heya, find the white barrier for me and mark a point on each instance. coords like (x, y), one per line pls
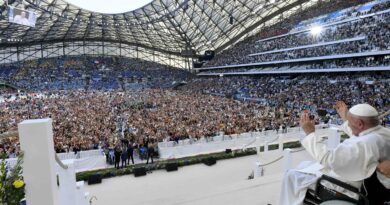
(81, 154)
(97, 161)
(184, 148)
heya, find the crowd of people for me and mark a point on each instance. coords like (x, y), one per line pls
(90, 73)
(375, 29)
(359, 62)
(91, 120)
(86, 120)
(302, 91)
(6, 90)
(124, 105)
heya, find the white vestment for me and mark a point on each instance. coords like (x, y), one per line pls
(351, 161)
(21, 20)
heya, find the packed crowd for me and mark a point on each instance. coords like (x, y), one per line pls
(86, 120)
(90, 73)
(360, 62)
(117, 104)
(302, 92)
(376, 29)
(90, 120)
(5, 90)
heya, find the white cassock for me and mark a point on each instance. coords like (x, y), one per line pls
(351, 161)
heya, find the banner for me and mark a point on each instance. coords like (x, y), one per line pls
(23, 17)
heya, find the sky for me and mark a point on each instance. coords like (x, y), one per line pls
(109, 6)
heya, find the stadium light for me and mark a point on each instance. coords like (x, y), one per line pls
(316, 30)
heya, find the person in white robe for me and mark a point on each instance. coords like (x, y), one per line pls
(352, 161)
(21, 19)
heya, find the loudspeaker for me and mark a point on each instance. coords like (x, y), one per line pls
(171, 167)
(227, 151)
(210, 161)
(140, 171)
(95, 179)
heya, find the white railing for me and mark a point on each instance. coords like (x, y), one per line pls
(220, 143)
(81, 154)
(84, 160)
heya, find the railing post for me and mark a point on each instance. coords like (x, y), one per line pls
(287, 159)
(67, 182)
(258, 170)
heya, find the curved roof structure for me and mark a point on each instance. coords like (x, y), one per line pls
(168, 26)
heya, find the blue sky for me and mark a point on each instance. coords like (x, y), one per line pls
(109, 6)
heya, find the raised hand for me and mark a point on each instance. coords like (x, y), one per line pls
(342, 109)
(306, 123)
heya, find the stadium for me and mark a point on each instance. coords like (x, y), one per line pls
(194, 102)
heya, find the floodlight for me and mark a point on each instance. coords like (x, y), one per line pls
(316, 30)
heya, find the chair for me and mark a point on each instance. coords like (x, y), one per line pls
(323, 195)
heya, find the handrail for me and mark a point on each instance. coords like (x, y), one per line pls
(246, 145)
(281, 157)
(59, 162)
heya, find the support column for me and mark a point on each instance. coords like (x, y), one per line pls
(39, 168)
(287, 159)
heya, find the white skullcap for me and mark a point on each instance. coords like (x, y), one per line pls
(363, 110)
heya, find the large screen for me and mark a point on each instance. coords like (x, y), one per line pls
(23, 17)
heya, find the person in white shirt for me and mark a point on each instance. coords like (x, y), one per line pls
(351, 161)
(21, 19)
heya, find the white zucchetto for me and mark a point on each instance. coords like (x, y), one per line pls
(364, 110)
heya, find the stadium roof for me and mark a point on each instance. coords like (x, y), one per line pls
(169, 26)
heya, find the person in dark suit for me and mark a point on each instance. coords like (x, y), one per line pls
(117, 155)
(124, 157)
(130, 152)
(151, 148)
